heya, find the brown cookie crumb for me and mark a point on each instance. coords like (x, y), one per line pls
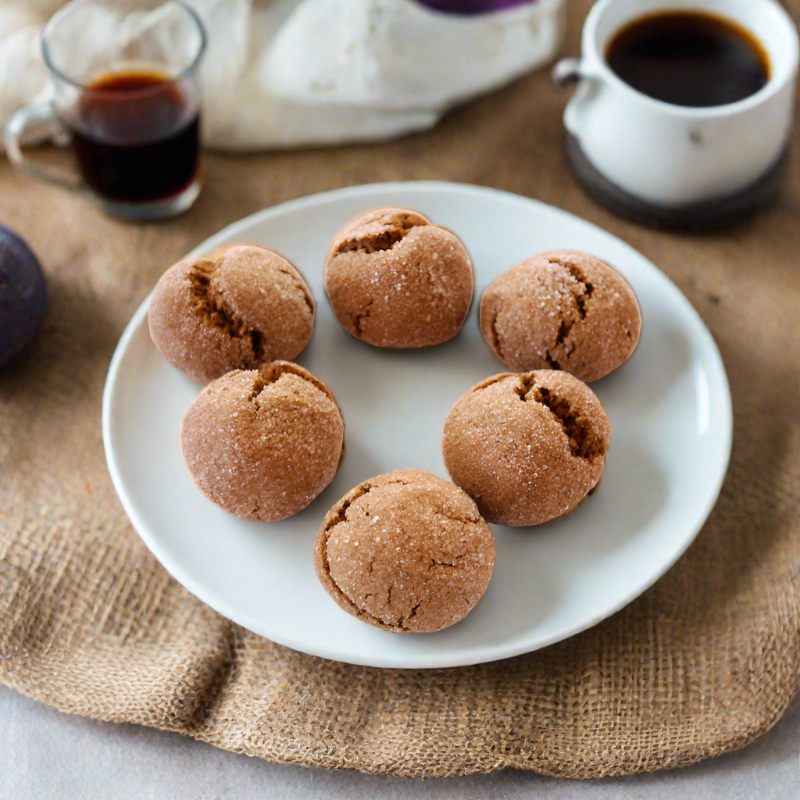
(247, 307)
(262, 444)
(396, 280)
(561, 310)
(405, 551)
(527, 448)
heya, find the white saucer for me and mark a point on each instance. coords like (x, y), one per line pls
(669, 406)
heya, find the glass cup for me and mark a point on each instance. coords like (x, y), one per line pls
(126, 98)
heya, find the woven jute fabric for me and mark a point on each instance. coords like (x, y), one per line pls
(90, 623)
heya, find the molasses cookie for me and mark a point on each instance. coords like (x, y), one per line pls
(527, 448)
(262, 444)
(396, 280)
(561, 310)
(405, 551)
(243, 309)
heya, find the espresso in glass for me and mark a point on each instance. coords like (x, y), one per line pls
(125, 78)
(136, 137)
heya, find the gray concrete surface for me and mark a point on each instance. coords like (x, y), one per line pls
(46, 754)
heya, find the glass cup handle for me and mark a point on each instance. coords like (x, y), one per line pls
(41, 117)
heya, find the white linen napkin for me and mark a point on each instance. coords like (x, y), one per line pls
(290, 73)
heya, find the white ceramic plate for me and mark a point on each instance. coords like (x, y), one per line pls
(669, 407)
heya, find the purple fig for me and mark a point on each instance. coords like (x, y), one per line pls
(471, 6)
(23, 296)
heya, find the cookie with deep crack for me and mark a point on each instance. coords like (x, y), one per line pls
(527, 448)
(561, 310)
(405, 551)
(240, 310)
(262, 444)
(396, 280)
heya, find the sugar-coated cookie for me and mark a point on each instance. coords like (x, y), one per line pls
(245, 308)
(561, 310)
(527, 448)
(262, 444)
(396, 280)
(405, 551)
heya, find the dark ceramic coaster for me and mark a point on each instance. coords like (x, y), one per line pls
(693, 217)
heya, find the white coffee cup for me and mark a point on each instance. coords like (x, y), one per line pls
(673, 156)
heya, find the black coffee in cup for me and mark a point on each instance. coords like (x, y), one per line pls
(136, 137)
(689, 58)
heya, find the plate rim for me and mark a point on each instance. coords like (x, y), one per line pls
(470, 656)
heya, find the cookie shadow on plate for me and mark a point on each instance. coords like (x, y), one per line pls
(661, 363)
(605, 522)
(631, 494)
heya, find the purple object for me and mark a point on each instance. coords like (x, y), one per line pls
(23, 296)
(467, 7)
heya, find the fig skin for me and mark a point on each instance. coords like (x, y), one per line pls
(23, 296)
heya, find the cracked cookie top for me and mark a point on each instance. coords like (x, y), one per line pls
(262, 444)
(561, 310)
(247, 307)
(527, 448)
(396, 280)
(405, 551)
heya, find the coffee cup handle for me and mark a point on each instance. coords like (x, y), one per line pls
(38, 122)
(569, 71)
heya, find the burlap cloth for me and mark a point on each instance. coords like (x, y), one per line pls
(703, 663)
